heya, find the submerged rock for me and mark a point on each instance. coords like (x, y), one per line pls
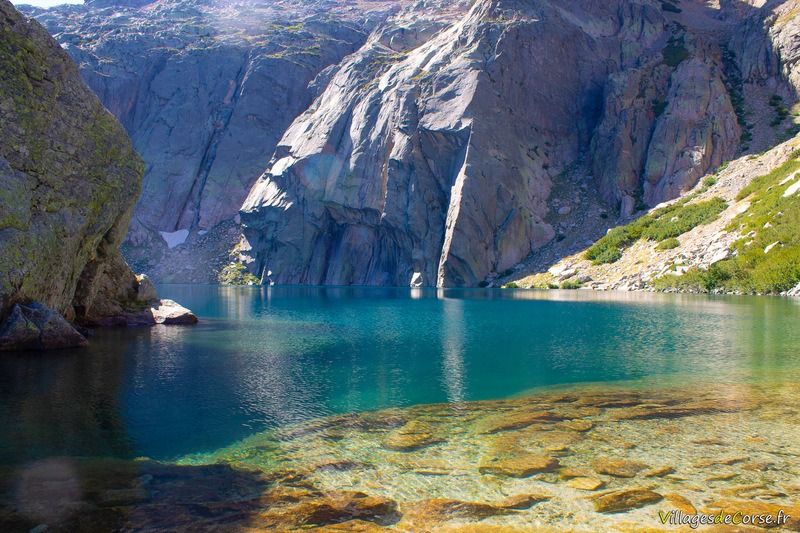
(648, 412)
(624, 500)
(586, 483)
(522, 465)
(618, 467)
(513, 420)
(571, 472)
(681, 503)
(245, 489)
(442, 510)
(37, 327)
(331, 508)
(426, 514)
(578, 425)
(523, 501)
(660, 471)
(411, 436)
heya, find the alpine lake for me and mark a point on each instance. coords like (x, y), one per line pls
(369, 409)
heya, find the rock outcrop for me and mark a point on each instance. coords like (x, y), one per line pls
(36, 327)
(70, 179)
(646, 265)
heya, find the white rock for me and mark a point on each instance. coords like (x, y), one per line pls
(416, 280)
(771, 246)
(793, 188)
(567, 274)
(171, 312)
(788, 179)
(720, 256)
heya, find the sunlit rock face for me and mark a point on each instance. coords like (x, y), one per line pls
(431, 162)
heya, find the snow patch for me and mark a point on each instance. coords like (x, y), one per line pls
(175, 238)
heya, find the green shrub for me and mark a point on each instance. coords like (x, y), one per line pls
(608, 248)
(675, 52)
(684, 219)
(237, 274)
(571, 284)
(668, 244)
(709, 182)
(510, 285)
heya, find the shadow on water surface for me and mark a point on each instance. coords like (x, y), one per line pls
(101, 494)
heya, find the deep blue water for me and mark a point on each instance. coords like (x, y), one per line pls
(264, 357)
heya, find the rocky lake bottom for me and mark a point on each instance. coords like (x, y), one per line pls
(586, 458)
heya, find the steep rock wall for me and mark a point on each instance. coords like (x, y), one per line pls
(70, 176)
(205, 91)
(435, 164)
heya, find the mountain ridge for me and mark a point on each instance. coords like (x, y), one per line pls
(508, 131)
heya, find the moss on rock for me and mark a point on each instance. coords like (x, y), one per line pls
(69, 176)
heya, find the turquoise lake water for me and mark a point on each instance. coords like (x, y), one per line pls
(267, 357)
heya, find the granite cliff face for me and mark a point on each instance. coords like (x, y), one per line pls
(428, 143)
(434, 164)
(69, 179)
(205, 89)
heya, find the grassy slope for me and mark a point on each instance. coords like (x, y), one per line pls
(767, 257)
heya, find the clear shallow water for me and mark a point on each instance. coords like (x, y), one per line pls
(268, 357)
